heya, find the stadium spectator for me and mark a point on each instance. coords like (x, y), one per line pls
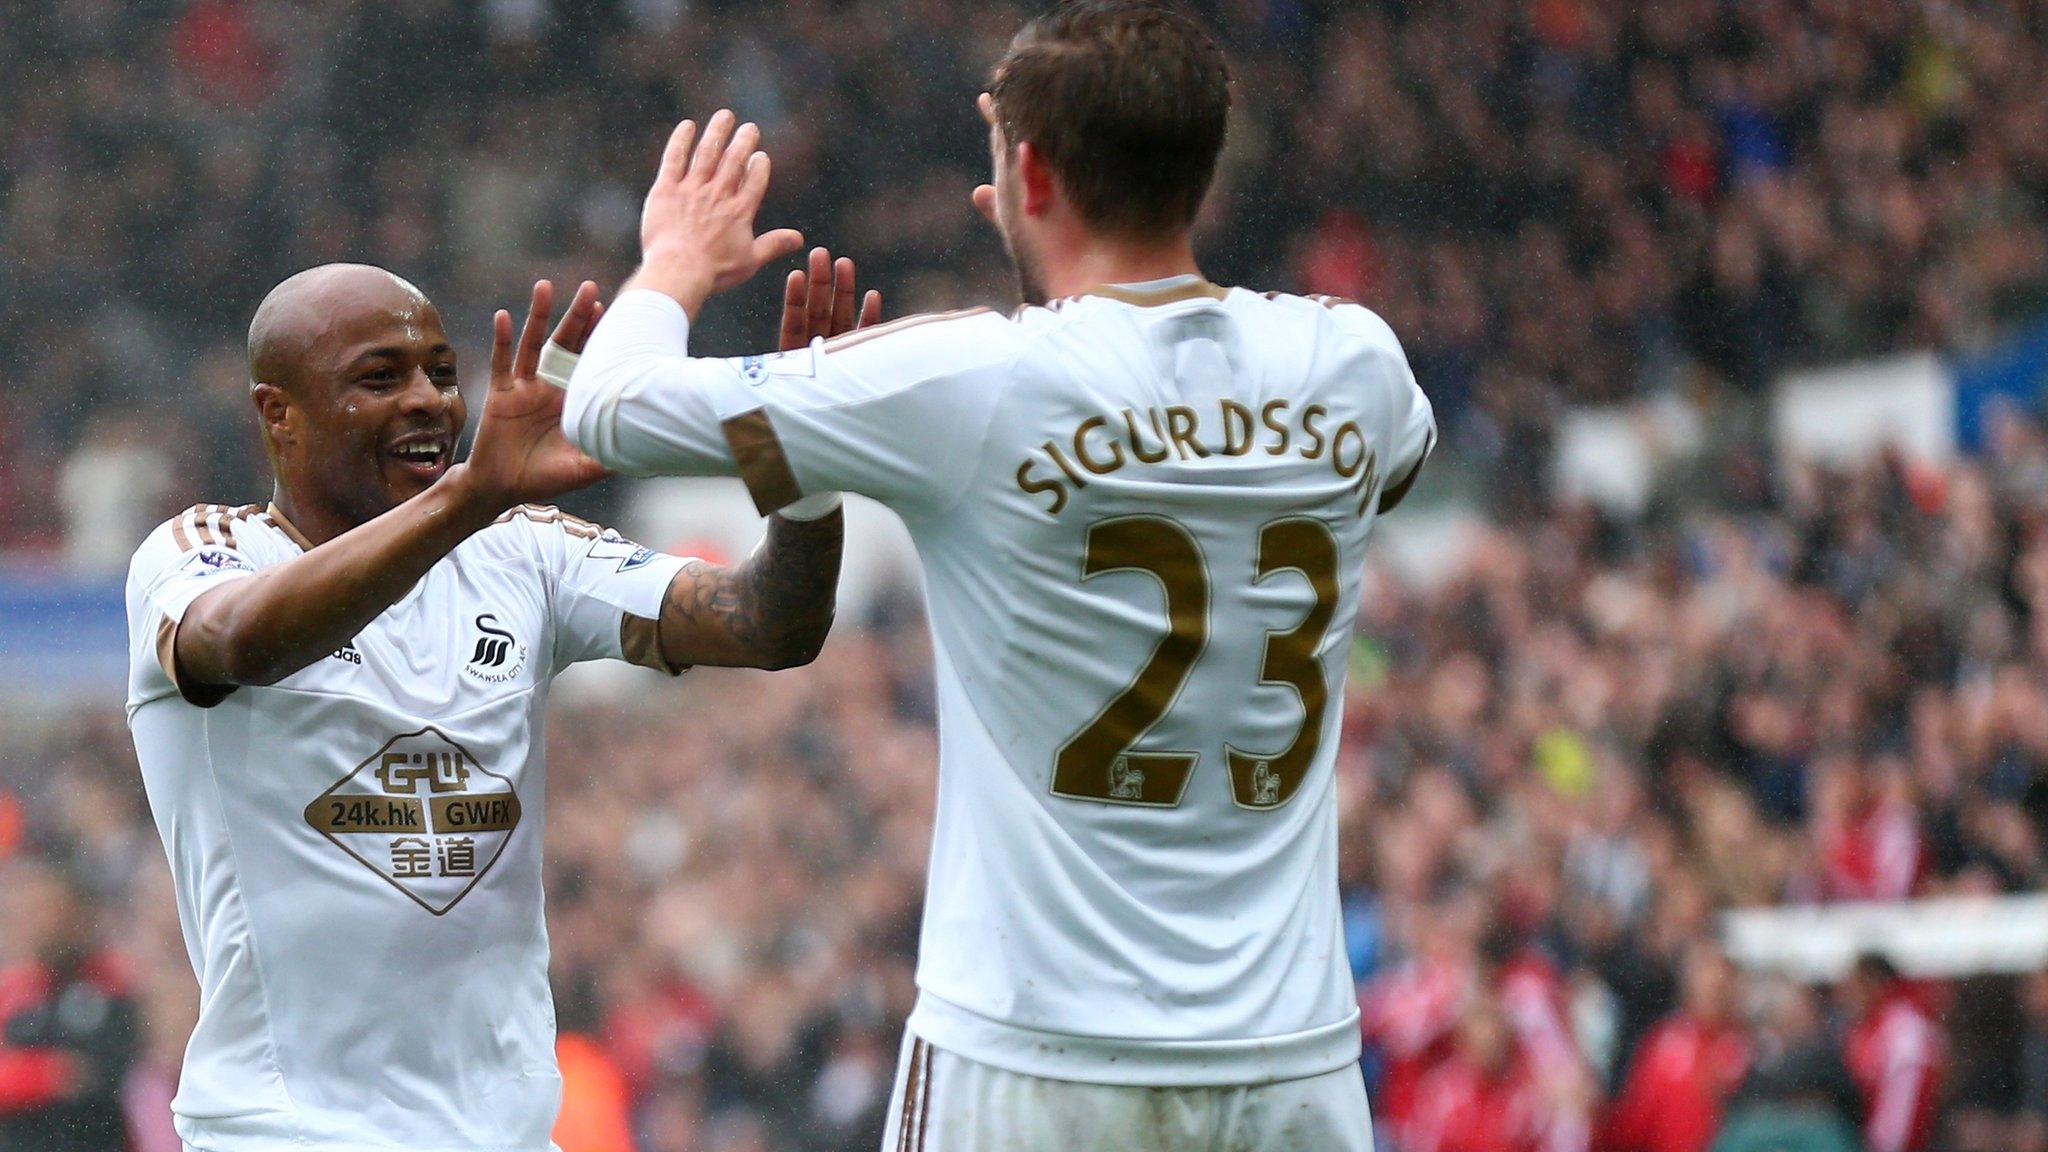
(68, 1026)
(1482, 1096)
(1685, 1068)
(1894, 1049)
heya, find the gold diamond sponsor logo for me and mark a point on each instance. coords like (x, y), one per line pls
(423, 814)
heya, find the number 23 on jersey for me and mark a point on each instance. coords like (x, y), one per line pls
(1099, 763)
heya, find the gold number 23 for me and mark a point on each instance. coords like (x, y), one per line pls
(1098, 763)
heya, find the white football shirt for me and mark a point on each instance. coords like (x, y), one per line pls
(357, 848)
(1142, 516)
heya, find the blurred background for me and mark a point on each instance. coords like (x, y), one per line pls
(1695, 771)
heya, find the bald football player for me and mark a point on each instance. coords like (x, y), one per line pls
(337, 701)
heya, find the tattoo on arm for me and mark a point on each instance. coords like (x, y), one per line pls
(772, 611)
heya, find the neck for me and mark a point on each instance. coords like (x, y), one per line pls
(1100, 260)
(315, 520)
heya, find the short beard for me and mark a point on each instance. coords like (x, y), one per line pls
(1030, 281)
(1030, 284)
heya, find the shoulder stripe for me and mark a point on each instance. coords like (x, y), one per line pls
(197, 525)
(549, 514)
(1320, 298)
(863, 335)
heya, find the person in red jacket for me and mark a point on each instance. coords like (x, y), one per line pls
(1410, 1013)
(68, 1027)
(1895, 1052)
(1684, 1070)
(1481, 1097)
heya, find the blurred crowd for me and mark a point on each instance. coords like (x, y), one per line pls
(1552, 201)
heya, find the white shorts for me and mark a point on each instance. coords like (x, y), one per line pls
(945, 1102)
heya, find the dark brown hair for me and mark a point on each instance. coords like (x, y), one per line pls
(1126, 100)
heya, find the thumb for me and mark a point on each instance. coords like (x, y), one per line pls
(775, 245)
(985, 202)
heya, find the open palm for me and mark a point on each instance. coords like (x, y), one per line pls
(520, 452)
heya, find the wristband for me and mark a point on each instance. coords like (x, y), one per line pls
(557, 364)
(811, 507)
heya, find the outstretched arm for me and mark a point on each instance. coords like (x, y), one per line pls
(260, 629)
(775, 609)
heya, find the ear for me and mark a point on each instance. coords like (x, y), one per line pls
(1040, 186)
(275, 412)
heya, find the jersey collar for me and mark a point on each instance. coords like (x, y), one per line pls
(1152, 293)
(290, 529)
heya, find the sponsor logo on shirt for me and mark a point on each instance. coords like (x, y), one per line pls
(423, 814)
(348, 653)
(499, 656)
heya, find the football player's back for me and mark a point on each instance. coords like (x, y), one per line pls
(1142, 599)
(1140, 511)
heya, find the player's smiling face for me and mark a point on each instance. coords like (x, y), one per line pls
(382, 411)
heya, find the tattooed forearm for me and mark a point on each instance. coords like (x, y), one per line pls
(773, 611)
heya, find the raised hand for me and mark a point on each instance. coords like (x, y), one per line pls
(697, 226)
(819, 301)
(584, 312)
(520, 453)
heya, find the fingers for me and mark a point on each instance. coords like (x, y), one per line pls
(739, 156)
(843, 296)
(754, 185)
(581, 317)
(526, 358)
(794, 300)
(711, 148)
(774, 246)
(870, 309)
(501, 349)
(675, 159)
(819, 303)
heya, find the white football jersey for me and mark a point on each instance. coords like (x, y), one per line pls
(1142, 516)
(356, 848)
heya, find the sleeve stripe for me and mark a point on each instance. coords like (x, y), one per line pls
(1395, 492)
(200, 695)
(863, 335)
(178, 532)
(758, 453)
(640, 643)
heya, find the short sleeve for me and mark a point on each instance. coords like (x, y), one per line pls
(1410, 420)
(896, 412)
(607, 590)
(184, 558)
